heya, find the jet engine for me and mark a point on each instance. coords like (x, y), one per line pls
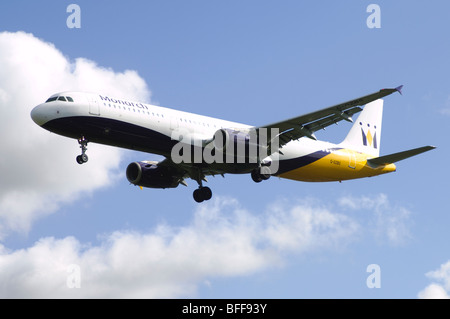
(242, 146)
(150, 174)
(226, 138)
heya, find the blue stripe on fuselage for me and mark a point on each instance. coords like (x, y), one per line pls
(112, 132)
(294, 163)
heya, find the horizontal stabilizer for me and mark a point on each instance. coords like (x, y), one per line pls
(392, 158)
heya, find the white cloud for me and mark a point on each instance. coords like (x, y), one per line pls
(307, 225)
(433, 291)
(389, 222)
(438, 290)
(223, 240)
(38, 168)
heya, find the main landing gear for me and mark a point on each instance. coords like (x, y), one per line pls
(260, 174)
(202, 193)
(83, 158)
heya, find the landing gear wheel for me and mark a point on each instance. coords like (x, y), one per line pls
(264, 172)
(82, 159)
(256, 177)
(198, 196)
(260, 174)
(206, 193)
(201, 194)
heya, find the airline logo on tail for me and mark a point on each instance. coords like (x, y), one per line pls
(367, 138)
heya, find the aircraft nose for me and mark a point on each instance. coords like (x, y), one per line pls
(38, 115)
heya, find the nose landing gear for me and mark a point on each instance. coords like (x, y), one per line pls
(83, 158)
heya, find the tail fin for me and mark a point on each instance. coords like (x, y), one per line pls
(365, 134)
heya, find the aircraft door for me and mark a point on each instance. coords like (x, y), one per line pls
(94, 107)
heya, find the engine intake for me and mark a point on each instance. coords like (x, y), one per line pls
(152, 175)
(226, 138)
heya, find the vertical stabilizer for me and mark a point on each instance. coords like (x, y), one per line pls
(365, 134)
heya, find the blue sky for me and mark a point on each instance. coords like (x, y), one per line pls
(252, 62)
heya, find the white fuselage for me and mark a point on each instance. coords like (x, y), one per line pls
(155, 129)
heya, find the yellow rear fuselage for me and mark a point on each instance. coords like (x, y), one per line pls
(329, 163)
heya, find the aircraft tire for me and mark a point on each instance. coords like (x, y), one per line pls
(83, 158)
(264, 173)
(206, 193)
(256, 177)
(198, 196)
(201, 194)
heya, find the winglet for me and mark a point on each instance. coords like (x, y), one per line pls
(399, 89)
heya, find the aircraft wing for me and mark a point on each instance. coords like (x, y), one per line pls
(306, 125)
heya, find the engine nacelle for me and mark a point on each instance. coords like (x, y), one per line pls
(226, 138)
(149, 174)
(238, 144)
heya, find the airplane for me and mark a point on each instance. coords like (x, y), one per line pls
(196, 146)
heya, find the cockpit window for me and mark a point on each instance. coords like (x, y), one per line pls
(51, 99)
(59, 98)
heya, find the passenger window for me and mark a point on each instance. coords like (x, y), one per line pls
(62, 98)
(69, 99)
